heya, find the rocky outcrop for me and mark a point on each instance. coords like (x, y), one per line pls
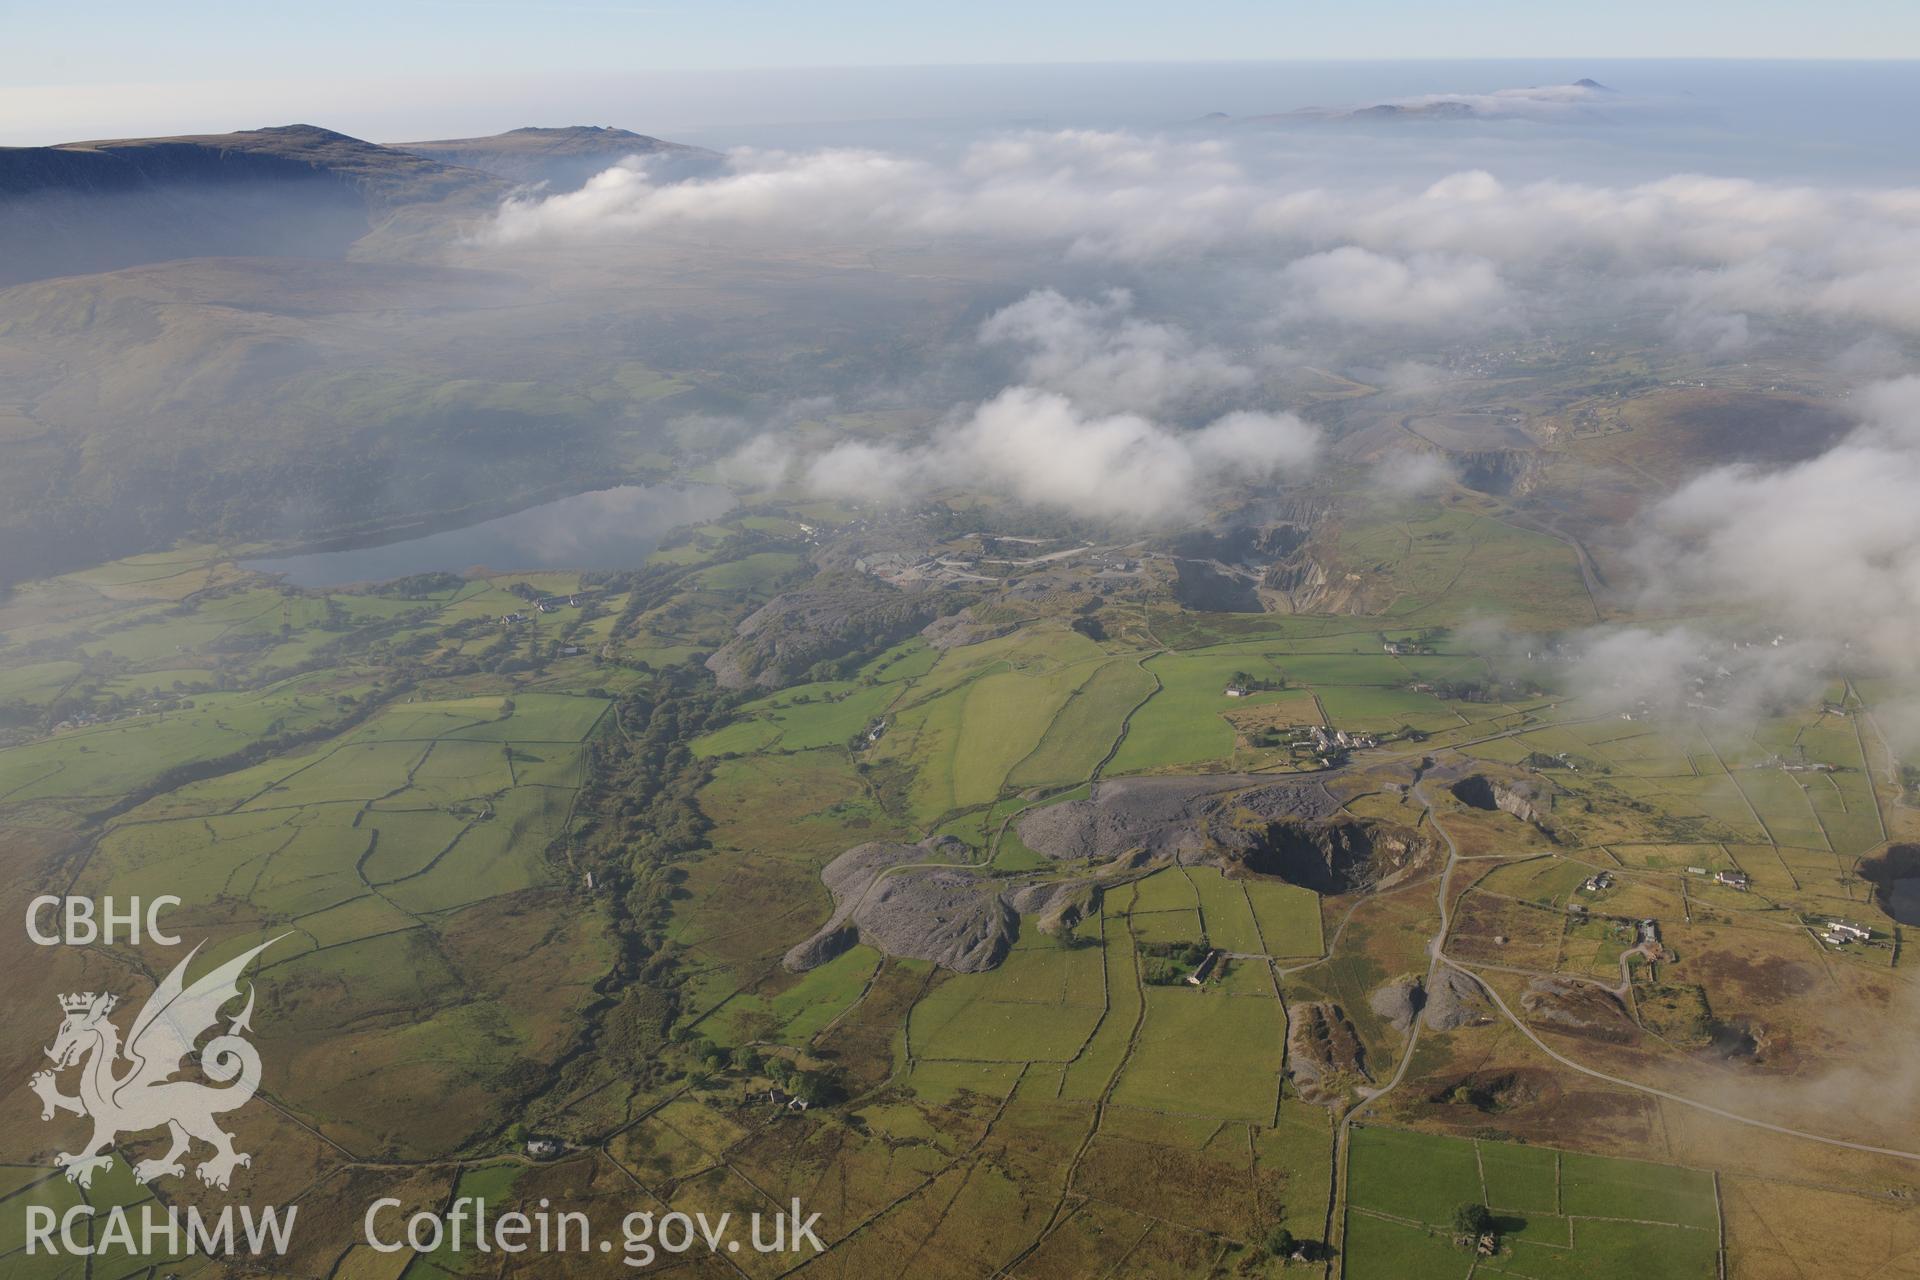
(965, 627)
(948, 915)
(1168, 817)
(1056, 907)
(830, 618)
(1157, 815)
(1244, 824)
(1455, 1000)
(952, 915)
(1398, 1003)
(1521, 799)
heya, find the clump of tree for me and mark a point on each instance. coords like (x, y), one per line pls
(1164, 964)
(1471, 1223)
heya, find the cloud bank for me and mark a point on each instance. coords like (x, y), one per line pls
(1829, 547)
(1041, 448)
(1098, 353)
(1364, 252)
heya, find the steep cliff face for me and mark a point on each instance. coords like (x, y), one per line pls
(1299, 584)
(1515, 472)
(1273, 565)
(1521, 799)
(1333, 856)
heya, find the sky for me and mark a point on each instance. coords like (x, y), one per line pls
(402, 66)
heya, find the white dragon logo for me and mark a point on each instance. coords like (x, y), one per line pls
(145, 1095)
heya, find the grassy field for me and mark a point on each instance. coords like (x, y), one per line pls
(1040, 1005)
(417, 819)
(1181, 724)
(1556, 1213)
(1206, 1053)
(1085, 728)
(1288, 917)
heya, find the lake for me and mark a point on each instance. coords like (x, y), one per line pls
(607, 529)
(1902, 900)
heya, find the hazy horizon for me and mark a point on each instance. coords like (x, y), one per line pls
(1070, 669)
(1736, 117)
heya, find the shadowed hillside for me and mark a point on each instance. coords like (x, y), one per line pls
(293, 191)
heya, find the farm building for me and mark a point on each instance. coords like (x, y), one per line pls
(1205, 967)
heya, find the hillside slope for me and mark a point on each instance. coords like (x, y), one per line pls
(296, 190)
(562, 158)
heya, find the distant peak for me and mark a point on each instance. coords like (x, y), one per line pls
(302, 131)
(570, 131)
(1584, 83)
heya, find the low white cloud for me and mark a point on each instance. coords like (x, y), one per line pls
(1357, 286)
(1720, 251)
(1411, 474)
(1411, 377)
(1040, 448)
(1685, 671)
(1100, 354)
(762, 463)
(841, 190)
(1714, 333)
(1828, 549)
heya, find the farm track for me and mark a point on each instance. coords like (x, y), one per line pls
(1440, 958)
(1436, 947)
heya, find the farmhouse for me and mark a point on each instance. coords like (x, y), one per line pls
(1598, 881)
(1841, 932)
(1734, 880)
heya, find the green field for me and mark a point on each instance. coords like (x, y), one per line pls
(1556, 1213)
(1181, 724)
(1208, 1053)
(545, 874)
